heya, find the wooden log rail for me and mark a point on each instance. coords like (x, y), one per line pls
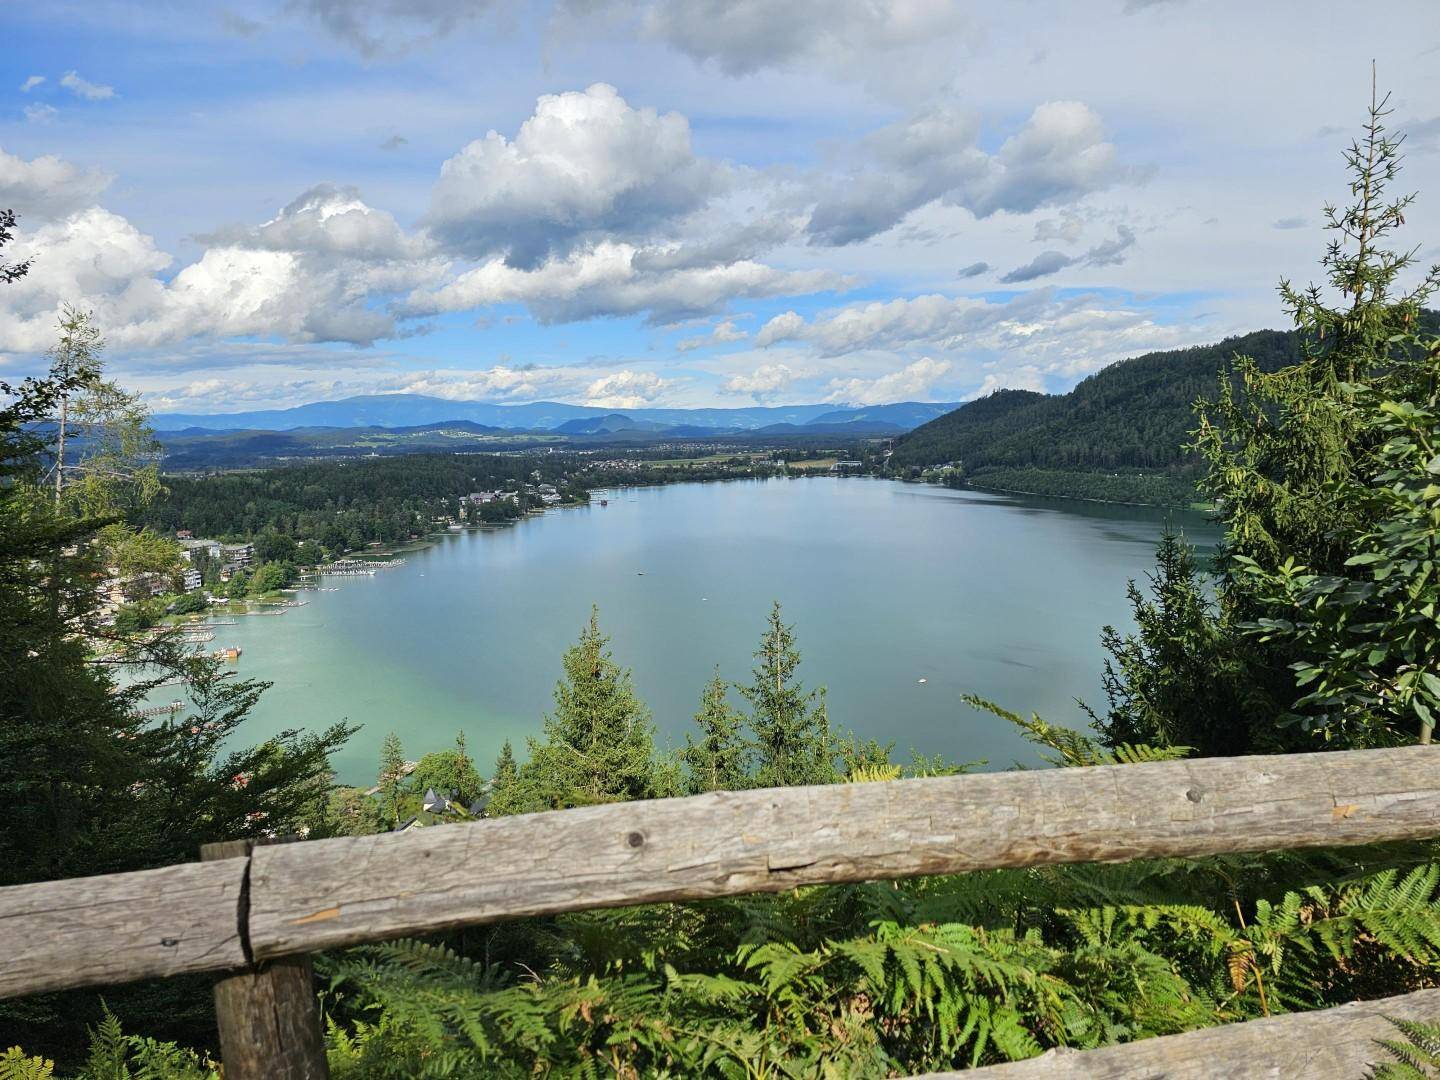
(291, 899)
(1328, 1044)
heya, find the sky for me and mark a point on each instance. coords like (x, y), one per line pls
(679, 202)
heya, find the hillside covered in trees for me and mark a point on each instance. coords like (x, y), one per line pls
(1133, 417)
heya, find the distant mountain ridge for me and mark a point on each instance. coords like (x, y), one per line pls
(412, 410)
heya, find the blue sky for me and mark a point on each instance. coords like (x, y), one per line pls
(678, 202)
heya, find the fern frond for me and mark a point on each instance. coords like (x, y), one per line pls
(15, 1064)
(1417, 1058)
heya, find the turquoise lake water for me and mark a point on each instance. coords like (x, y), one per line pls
(887, 584)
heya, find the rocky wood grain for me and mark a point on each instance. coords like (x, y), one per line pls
(102, 930)
(1333, 1044)
(306, 897)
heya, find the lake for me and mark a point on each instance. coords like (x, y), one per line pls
(903, 597)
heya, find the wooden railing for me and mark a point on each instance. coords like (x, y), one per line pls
(255, 911)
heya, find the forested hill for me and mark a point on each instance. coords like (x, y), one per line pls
(1135, 414)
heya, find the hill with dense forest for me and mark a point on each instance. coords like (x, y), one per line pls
(1132, 418)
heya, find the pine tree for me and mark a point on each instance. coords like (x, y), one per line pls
(598, 744)
(790, 729)
(717, 762)
(392, 771)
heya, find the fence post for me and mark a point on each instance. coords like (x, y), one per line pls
(268, 1015)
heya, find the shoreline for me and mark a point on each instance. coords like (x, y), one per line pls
(1189, 508)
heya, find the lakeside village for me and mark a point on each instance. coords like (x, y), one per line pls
(196, 581)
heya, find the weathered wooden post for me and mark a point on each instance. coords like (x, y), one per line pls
(268, 1015)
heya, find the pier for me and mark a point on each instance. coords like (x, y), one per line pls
(354, 566)
(160, 710)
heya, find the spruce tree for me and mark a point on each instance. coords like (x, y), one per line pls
(1167, 682)
(504, 766)
(717, 761)
(599, 743)
(1278, 444)
(790, 729)
(392, 771)
(505, 796)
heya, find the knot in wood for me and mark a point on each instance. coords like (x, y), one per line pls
(169, 942)
(1194, 794)
(635, 839)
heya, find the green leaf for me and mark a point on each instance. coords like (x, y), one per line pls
(1367, 558)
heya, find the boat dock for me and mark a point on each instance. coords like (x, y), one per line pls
(160, 710)
(351, 567)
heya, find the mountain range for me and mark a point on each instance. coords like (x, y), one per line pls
(413, 410)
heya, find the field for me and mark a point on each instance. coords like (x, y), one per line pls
(809, 465)
(708, 459)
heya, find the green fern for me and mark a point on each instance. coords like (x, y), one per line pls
(898, 977)
(114, 1055)
(117, 1056)
(1416, 1058)
(15, 1064)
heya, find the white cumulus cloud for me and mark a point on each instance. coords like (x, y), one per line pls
(911, 382)
(763, 383)
(586, 165)
(47, 186)
(305, 276)
(626, 390)
(328, 220)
